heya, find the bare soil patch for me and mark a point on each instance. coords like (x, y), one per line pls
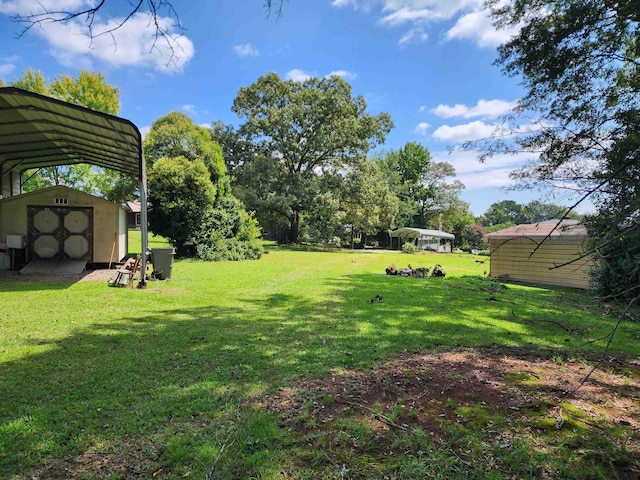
(430, 389)
(97, 275)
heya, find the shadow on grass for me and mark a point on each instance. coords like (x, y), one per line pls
(163, 391)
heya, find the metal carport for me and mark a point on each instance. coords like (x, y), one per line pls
(38, 131)
(424, 239)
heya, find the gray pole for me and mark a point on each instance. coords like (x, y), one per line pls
(143, 220)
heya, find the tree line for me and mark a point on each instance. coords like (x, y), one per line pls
(299, 168)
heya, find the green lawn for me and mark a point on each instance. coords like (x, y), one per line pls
(135, 241)
(101, 382)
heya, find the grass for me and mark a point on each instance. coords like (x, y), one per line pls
(135, 241)
(123, 383)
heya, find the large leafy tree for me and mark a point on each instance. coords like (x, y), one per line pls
(175, 135)
(304, 130)
(189, 192)
(502, 212)
(427, 190)
(182, 196)
(369, 204)
(580, 65)
(91, 90)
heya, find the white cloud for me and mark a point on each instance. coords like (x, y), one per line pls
(144, 131)
(132, 43)
(8, 65)
(344, 3)
(462, 133)
(477, 26)
(188, 108)
(494, 172)
(409, 15)
(246, 50)
(421, 128)
(298, 75)
(470, 16)
(415, 35)
(342, 73)
(482, 109)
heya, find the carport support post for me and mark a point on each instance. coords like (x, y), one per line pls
(143, 223)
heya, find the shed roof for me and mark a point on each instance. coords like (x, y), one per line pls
(541, 230)
(132, 206)
(411, 232)
(63, 190)
(38, 131)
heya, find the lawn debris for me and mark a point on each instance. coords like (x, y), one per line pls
(420, 272)
(377, 299)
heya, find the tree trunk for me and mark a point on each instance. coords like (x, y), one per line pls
(295, 226)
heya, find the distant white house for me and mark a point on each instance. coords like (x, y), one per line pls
(434, 240)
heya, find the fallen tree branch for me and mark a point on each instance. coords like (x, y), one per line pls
(379, 416)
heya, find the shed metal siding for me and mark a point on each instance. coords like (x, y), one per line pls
(515, 259)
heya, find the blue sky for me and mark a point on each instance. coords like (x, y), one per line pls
(428, 63)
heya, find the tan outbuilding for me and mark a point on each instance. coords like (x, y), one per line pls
(546, 253)
(60, 223)
(36, 132)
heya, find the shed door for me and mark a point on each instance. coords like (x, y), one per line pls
(60, 233)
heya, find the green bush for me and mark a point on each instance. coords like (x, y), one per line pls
(409, 247)
(234, 249)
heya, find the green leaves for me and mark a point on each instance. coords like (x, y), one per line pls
(190, 193)
(182, 196)
(304, 130)
(175, 135)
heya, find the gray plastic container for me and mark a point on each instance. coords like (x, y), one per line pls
(162, 260)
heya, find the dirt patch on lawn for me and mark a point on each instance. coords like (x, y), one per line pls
(430, 390)
(97, 275)
(426, 390)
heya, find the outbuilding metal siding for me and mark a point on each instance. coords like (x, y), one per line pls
(546, 253)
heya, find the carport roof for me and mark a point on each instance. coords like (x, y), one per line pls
(38, 131)
(411, 232)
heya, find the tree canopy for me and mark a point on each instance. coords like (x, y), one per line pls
(427, 190)
(189, 191)
(175, 135)
(303, 130)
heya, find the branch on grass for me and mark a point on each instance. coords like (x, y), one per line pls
(564, 327)
(377, 415)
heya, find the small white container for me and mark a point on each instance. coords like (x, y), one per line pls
(16, 241)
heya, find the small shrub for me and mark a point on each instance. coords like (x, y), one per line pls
(484, 253)
(409, 248)
(217, 249)
(336, 241)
